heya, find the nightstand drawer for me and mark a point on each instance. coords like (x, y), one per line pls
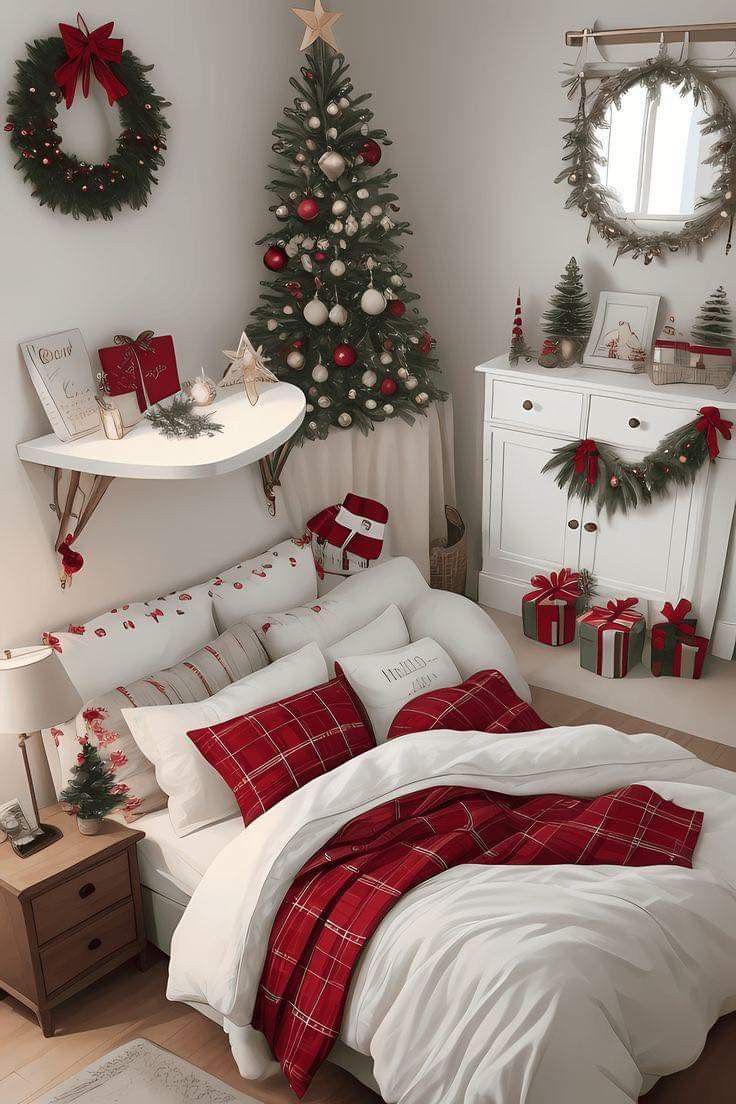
(535, 407)
(71, 955)
(632, 424)
(93, 890)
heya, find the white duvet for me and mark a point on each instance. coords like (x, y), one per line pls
(495, 985)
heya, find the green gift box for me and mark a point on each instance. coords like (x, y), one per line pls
(611, 638)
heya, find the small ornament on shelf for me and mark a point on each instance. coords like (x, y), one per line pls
(202, 390)
(549, 612)
(248, 366)
(518, 348)
(568, 318)
(612, 638)
(676, 650)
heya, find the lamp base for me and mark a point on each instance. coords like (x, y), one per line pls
(46, 835)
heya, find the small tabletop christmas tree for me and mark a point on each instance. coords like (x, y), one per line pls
(568, 319)
(713, 326)
(519, 348)
(91, 793)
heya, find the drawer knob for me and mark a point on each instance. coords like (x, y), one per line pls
(87, 889)
(573, 524)
(590, 527)
(528, 404)
(634, 423)
(94, 944)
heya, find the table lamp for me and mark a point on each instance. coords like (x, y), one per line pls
(35, 692)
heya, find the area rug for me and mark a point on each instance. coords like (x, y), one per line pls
(142, 1073)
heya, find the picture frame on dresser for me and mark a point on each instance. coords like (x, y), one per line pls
(623, 331)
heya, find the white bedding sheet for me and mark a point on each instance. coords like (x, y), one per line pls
(174, 866)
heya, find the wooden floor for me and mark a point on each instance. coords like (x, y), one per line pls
(128, 1004)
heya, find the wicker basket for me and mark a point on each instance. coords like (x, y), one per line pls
(448, 559)
(712, 376)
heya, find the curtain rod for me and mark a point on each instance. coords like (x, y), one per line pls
(699, 32)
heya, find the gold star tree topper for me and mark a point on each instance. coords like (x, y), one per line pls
(247, 364)
(318, 23)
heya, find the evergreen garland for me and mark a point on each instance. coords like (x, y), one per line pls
(91, 792)
(62, 181)
(569, 313)
(177, 419)
(713, 326)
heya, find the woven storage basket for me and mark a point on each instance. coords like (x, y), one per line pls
(448, 559)
(716, 376)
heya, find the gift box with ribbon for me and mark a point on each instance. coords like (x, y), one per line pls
(549, 612)
(144, 364)
(347, 538)
(611, 638)
(676, 650)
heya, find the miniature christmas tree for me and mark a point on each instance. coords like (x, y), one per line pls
(713, 326)
(337, 318)
(519, 347)
(569, 316)
(91, 792)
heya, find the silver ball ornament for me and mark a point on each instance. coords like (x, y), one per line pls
(388, 409)
(386, 358)
(300, 158)
(338, 315)
(376, 211)
(352, 394)
(295, 360)
(362, 193)
(396, 280)
(370, 404)
(288, 309)
(411, 383)
(311, 144)
(315, 312)
(332, 108)
(336, 227)
(320, 373)
(337, 268)
(339, 207)
(314, 122)
(344, 419)
(421, 398)
(305, 105)
(369, 378)
(324, 401)
(309, 408)
(272, 324)
(344, 103)
(332, 132)
(282, 212)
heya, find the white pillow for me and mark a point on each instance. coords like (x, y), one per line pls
(387, 631)
(283, 577)
(197, 794)
(350, 606)
(133, 639)
(387, 681)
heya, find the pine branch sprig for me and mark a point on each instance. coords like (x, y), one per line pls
(178, 420)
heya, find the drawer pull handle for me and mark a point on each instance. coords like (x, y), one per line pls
(87, 889)
(573, 524)
(590, 527)
(94, 944)
(634, 423)
(528, 404)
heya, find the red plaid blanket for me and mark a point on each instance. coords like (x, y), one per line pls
(340, 896)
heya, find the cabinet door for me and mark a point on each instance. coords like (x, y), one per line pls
(532, 525)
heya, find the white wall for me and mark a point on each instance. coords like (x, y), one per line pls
(470, 92)
(185, 265)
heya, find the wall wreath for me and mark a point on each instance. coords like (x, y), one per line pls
(48, 75)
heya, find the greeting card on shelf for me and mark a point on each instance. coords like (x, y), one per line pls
(144, 364)
(60, 369)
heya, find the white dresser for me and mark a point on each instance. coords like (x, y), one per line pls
(676, 547)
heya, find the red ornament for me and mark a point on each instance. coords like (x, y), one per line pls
(308, 209)
(297, 344)
(426, 344)
(371, 152)
(388, 386)
(344, 356)
(396, 308)
(9, 126)
(320, 257)
(275, 258)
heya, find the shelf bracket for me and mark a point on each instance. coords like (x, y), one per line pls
(71, 524)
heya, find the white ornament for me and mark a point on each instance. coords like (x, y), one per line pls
(272, 324)
(323, 243)
(376, 211)
(344, 103)
(402, 373)
(369, 378)
(365, 129)
(324, 401)
(411, 383)
(307, 263)
(315, 312)
(292, 248)
(320, 373)
(295, 360)
(370, 404)
(362, 193)
(313, 122)
(332, 132)
(339, 207)
(305, 105)
(293, 195)
(319, 193)
(311, 144)
(336, 227)
(344, 419)
(332, 108)
(337, 268)
(288, 309)
(352, 393)
(309, 408)
(387, 223)
(421, 398)
(343, 243)
(366, 220)
(338, 315)
(312, 426)
(396, 280)
(300, 158)
(202, 390)
(372, 301)
(282, 212)
(386, 358)
(332, 164)
(308, 243)
(351, 226)
(388, 409)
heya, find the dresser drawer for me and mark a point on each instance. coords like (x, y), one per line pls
(535, 407)
(71, 955)
(93, 890)
(632, 424)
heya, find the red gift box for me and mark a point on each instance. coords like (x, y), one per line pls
(549, 611)
(676, 650)
(144, 364)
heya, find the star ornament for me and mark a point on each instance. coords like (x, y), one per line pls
(247, 364)
(318, 25)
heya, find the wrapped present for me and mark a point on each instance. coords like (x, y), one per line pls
(144, 364)
(549, 612)
(671, 347)
(676, 650)
(612, 638)
(347, 538)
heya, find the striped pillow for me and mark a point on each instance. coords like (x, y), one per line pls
(484, 703)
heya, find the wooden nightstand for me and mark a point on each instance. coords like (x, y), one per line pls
(69, 914)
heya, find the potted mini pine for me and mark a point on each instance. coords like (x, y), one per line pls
(91, 792)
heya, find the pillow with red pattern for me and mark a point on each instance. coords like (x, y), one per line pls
(270, 753)
(485, 703)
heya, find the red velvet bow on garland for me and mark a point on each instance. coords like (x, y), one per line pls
(588, 469)
(90, 51)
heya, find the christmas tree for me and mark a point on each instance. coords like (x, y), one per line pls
(569, 313)
(713, 324)
(337, 318)
(518, 347)
(91, 792)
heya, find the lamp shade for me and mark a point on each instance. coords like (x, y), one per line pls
(35, 690)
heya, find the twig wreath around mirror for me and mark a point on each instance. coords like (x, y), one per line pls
(48, 75)
(583, 157)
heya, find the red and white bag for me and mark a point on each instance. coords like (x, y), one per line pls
(347, 538)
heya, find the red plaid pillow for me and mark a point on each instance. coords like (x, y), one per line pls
(270, 753)
(485, 702)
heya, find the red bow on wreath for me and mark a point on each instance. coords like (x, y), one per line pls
(676, 615)
(711, 424)
(88, 50)
(586, 460)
